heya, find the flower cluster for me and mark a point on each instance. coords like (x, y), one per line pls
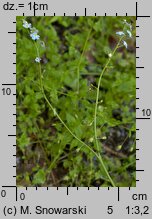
(33, 34)
(126, 33)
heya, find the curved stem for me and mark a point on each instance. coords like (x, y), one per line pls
(56, 114)
(95, 112)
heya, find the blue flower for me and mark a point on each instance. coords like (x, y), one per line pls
(26, 24)
(120, 33)
(125, 44)
(34, 36)
(38, 59)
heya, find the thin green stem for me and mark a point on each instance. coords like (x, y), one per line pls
(56, 114)
(80, 60)
(95, 112)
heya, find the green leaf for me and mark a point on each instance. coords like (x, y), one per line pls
(39, 177)
(23, 142)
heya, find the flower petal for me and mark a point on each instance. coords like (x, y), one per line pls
(120, 33)
(38, 59)
(129, 33)
(125, 44)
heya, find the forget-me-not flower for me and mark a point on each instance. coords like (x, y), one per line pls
(26, 24)
(126, 33)
(34, 36)
(38, 59)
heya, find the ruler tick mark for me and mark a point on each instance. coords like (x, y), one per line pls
(9, 84)
(142, 118)
(67, 190)
(16, 192)
(118, 194)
